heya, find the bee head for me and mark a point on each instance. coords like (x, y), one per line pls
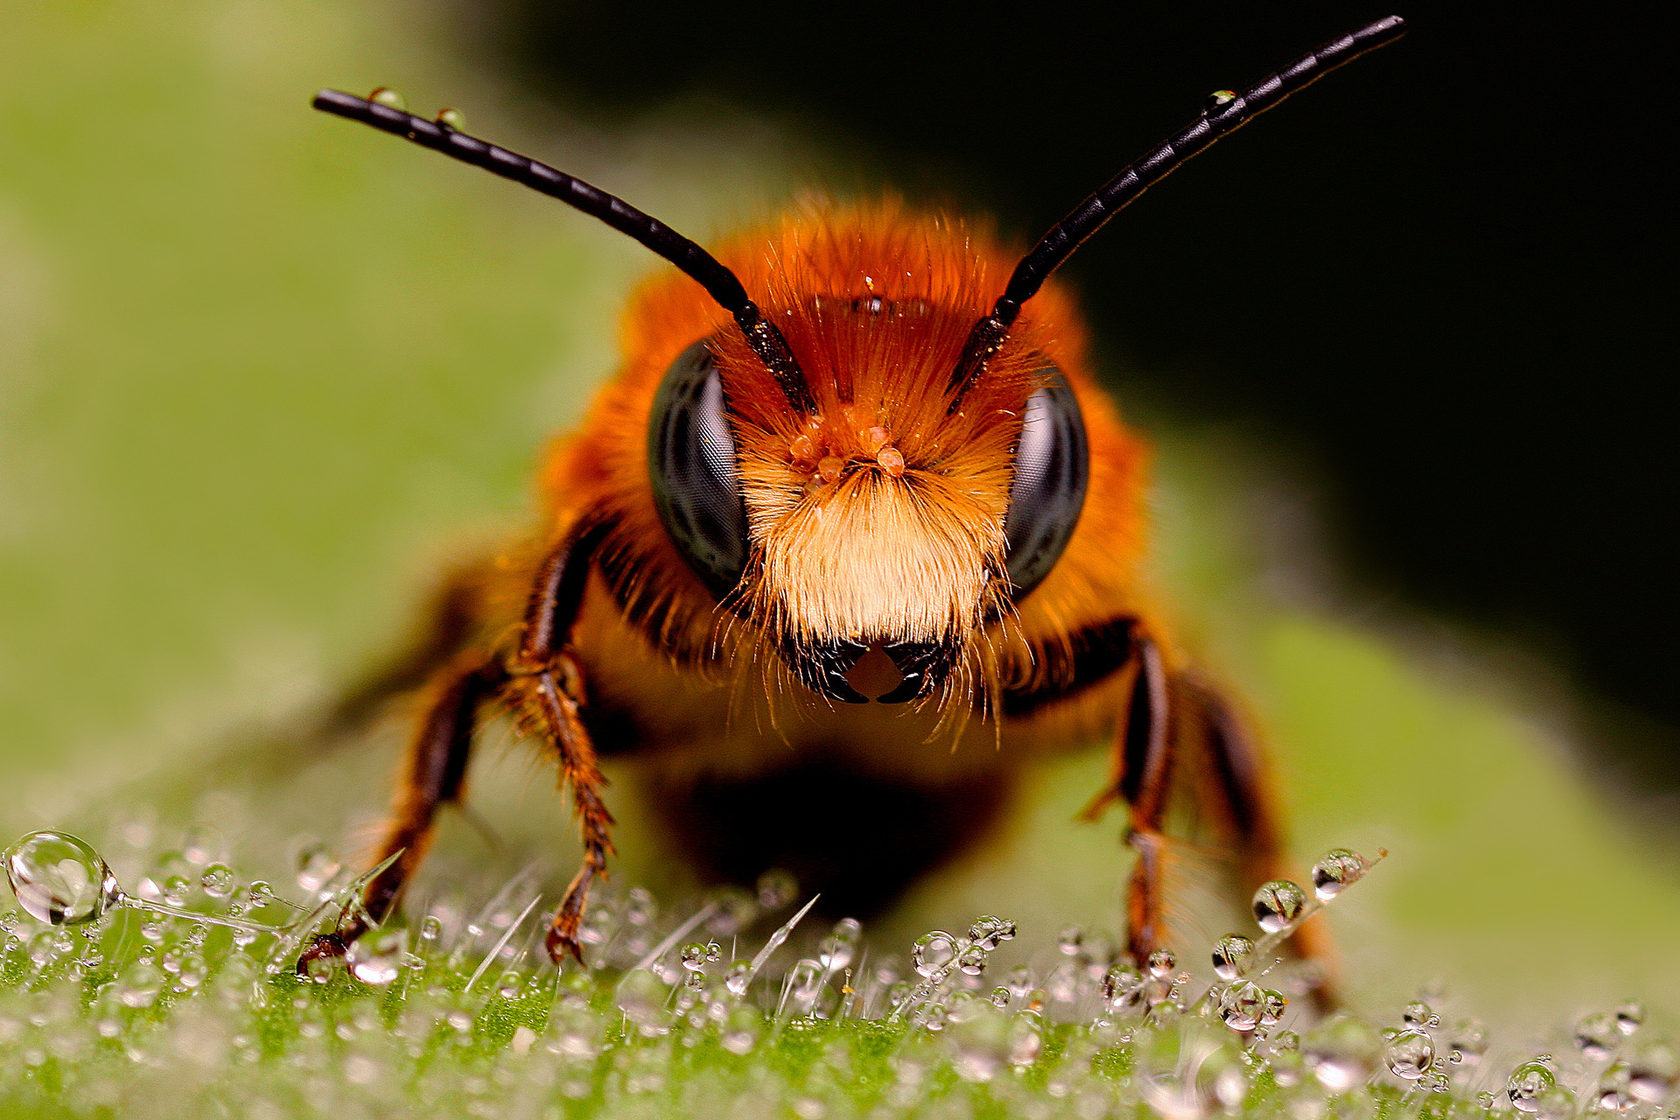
(873, 535)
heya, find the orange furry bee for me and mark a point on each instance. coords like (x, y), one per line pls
(856, 493)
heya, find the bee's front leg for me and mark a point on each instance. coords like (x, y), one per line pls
(545, 689)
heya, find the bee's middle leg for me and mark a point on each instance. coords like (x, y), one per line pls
(434, 775)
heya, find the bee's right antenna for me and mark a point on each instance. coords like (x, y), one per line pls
(1225, 113)
(723, 285)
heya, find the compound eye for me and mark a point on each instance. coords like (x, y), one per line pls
(1052, 466)
(691, 457)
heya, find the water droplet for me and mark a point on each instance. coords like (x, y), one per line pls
(1466, 1042)
(642, 999)
(989, 931)
(640, 909)
(388, 97)
(1232, 955)
(315, 867)
(741, 1031)
(1409, 1054)
(1341, 1053)
(1336, 869)
(217, 880)
(1241, 1005)
(1123, 987)
(1528, 1082)
(979, 1047)
(840, 946)
(1419, 1014)
(1217, 100)
(1070, 941)
(60, 879)
(1629, 1016)
(1000, 997)
(1274, 1005)
(140, 985)
(733, 910)
(971, 960)
(451, 119)
(1161, 964)
(1597, 1035)
(693, 956)
(377, 956)
(1278, 905)
(804, 984)
(776, 889)
(738, 977)
(1026, 1039)
(933, 952)
(1654, 1073)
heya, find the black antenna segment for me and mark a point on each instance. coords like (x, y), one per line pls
(1225, 113)
(722, 284)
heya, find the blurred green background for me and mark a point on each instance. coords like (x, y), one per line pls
(262, 372)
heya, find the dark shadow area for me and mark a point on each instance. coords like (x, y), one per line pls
(1445, 275)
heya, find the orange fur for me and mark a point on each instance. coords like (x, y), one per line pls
(833, 548)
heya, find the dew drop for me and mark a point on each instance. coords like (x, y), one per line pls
(1161, 963)
(217, 880)
(1123, 987)
(388, 97)
(933, 952)
(989, 931)
(315, 867)
(980, 1047)
(1278, 905)
(1217, 100)
(1597, 1035)
(971, 960)
(60, 879)
(1528, 1083)
(451, 119)
(776, 889)
(1341, 1053)
(738, 977)
(1335, 869)
(1241, 1006)
(640, 909)
(804, 983)
(1070, 941)
(1409, 1054)
(140, 985)
(693, 956)
(840, 946)
(1653, 1073)
(741, 1031)
(642, 999)
(1232, 955)
(1420, 1015)
(377, 957)
(1629, 1016)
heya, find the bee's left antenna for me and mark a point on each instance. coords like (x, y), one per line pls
(722, 284)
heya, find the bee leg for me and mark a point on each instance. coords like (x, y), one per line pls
(1144, 754)
(547, 689)
(435, 774)
(1240, 793)
(447, 625)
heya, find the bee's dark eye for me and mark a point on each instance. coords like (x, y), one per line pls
(1052, 464)
(691, 456)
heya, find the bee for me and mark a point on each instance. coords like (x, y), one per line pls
(852, 527)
